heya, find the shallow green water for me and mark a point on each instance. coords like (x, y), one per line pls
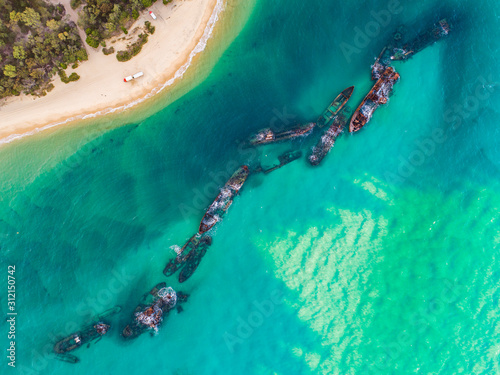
(383, 260)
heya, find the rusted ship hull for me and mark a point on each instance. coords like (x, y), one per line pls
(94, 332)
(327, 141)
(218, 208)
(193, 260)
(266, 136)
(191, 250)
(380, 64)
(193, 245)
(379, 94)
(150, 315)
(335, 107)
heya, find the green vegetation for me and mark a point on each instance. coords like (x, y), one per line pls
(133, 49)
(105, 18)
(136, 47)
(108, 51)
(149, 28)
(72, 77)
(76, 3)
(35, 41)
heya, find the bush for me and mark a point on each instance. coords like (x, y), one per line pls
(165, 2)
(146, 3)
(103, 43)
(91, 41)
(124, 30)
(63, 65)
(132, 50)
(123, 56)
(108, 51)
(135, 14)
(75, 3)
(74, 66)
(64, 78)
(149, 28)
(73, 77)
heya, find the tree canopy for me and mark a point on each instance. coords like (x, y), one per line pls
(102, 19)
(36, 41)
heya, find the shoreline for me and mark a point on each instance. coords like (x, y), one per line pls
(20, 119)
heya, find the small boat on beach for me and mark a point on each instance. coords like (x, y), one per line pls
(440, 30)
(86, 336)
(327, 140)
(149, 316)
(379, 94)
(334, 108)
(266, 136)
(196, 244)
(219, 207)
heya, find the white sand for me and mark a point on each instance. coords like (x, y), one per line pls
(179, 28)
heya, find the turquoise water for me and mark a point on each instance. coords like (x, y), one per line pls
(382, 260)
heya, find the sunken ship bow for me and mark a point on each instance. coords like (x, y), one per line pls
(379, 94)
(218, 208)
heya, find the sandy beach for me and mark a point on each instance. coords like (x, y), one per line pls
(181, 27)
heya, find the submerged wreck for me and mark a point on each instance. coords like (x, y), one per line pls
(380, 65)
(335, 107)
(219, 207)
(440, 30)
(149, 316)
(397, 51)
(193, 258)
(265, 136)
(327, 140)
(93, 333)
(284, 159)
(196, 244)
(379, 94)
(189, 257)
